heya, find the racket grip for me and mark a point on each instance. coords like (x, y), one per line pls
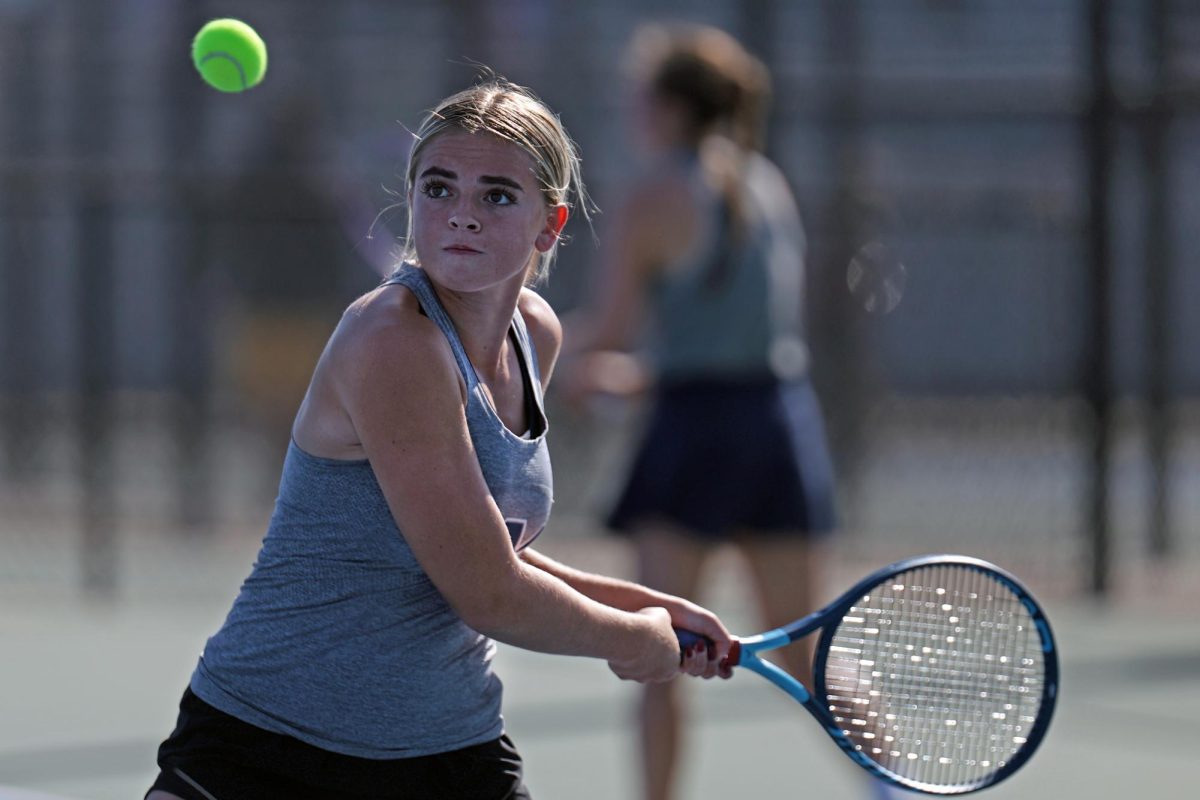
(690, 638)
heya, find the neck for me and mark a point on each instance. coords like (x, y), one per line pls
(482, 320)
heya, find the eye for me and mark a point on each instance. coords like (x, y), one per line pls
(499, 197)
(435, 190)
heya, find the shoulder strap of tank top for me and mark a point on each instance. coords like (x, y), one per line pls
(529, 355)
(531, 384)
(418, 283)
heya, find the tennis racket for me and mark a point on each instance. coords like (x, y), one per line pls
(937, 674)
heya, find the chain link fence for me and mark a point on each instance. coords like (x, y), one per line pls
(172, 259)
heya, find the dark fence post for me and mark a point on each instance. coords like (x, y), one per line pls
(1099, 149)
(19, 267)
(1158, 264)
(91, 149)
(757, 25)
(189, 361)
(97, 357)
(834, 320)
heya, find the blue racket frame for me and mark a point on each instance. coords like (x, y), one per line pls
(747, 650)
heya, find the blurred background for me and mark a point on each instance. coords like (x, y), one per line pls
(1021, 173)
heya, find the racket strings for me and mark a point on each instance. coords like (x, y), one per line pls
(937, 675)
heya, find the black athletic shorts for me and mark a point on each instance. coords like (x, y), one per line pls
(214, 756)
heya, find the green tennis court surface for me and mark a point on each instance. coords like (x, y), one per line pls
(87, 691)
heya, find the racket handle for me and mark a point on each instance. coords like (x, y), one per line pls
(689, 639)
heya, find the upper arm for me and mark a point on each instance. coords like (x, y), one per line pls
(403, 395)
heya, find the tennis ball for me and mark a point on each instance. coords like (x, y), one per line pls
(230, 56)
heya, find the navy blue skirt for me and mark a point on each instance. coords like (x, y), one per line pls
(723, 457)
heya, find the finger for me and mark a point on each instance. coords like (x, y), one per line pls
(711, 628)
(712, 652)
(695, 660)
(713, 670)
(705, 664)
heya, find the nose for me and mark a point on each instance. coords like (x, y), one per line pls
(460, 220)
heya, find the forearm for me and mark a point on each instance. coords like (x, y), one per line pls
(554, 608)
(613, 592)
(629, 596)
(541, 611)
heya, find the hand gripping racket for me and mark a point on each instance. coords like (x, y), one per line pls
(937, 674)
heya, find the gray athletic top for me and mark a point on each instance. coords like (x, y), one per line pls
(338, 638)
(730, 309)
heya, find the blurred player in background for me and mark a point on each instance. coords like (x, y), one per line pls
(709, 247)
(356, 660)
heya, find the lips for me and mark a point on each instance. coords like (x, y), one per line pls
(461, 248)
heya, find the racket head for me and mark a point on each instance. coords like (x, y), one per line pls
(938, 674)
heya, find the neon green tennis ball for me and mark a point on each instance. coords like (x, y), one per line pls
(229, 55)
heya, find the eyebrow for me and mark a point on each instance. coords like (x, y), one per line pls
(498, 180)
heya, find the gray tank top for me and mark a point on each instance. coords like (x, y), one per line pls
(338, 638)
(730, 310)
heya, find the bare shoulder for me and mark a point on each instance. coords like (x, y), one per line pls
(539, 316)
(545, 330)
(384, 314)
(384, 343)
(382, 351)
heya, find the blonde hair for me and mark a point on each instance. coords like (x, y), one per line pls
(513, 113)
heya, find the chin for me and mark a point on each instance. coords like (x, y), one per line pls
(469, 274)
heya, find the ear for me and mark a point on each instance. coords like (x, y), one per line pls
(556, 219)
